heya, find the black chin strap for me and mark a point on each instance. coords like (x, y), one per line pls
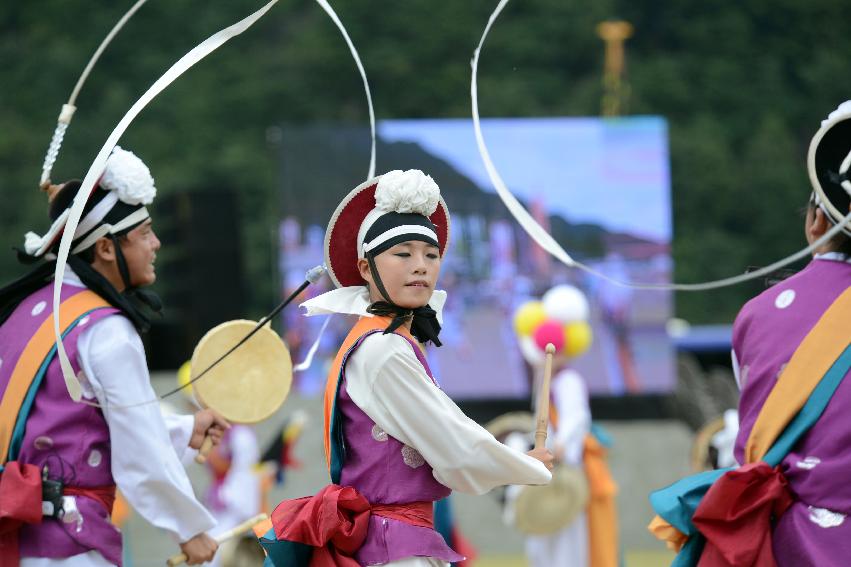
(144, 303)
(137, 305)
(122, 263)
(424, 324)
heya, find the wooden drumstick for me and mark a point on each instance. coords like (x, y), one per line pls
(223, 537)
(543, 413)
(201, 457)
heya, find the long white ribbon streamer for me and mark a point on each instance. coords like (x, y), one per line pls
(69, 107)
(733, 280)
(548, 243)
(187, 61)
(308, 360)
(535, 230)
(336, 20)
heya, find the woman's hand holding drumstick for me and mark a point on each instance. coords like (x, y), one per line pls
(542, 413)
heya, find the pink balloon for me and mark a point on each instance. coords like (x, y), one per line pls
(549, 332)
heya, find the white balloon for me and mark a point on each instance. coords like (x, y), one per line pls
(566, 304)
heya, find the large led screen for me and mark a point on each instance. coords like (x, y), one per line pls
(601, 187)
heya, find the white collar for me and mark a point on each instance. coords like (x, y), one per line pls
(353, 300)
(71, 278)
(833, 256)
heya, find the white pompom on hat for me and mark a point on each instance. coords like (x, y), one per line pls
(129, 177)
(410, 191)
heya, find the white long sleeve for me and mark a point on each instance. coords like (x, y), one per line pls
(574, 416)
(144, 463)
(385, 379)
(180, 428)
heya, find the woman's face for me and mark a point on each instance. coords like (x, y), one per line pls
(409, 272)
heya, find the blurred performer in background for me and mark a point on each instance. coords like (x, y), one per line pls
(582, 527)
(395, 443)
(279, 457)
(615, 303)
(788, 502)
(713, 443)
(63, 459)
(234, 494)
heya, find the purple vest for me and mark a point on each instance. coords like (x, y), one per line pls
(814, 531)
(387, 471)
(72, 439)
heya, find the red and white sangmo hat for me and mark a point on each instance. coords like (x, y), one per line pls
(379, 213)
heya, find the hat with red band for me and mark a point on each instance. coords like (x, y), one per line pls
(398, 206)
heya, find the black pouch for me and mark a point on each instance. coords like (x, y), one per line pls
(51, 496)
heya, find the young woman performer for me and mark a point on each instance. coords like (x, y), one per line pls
(394, 443)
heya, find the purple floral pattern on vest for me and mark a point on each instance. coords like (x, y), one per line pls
(71, 439)
(386, 471)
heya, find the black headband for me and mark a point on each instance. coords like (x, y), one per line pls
(392, 221)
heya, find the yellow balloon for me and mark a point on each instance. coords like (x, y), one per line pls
(528, 317)
(577, 338)
(184, 376)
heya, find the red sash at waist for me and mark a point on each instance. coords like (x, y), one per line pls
(335, 522)
(20, 502)
(736, 515)
(104, 495)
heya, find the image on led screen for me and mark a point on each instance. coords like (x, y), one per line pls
(601, 187)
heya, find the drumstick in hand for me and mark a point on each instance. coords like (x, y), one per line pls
(204, 450)
(242, 528)
(542, 416)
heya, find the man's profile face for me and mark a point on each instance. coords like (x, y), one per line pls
(140, 247)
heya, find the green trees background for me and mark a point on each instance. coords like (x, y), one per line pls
(743, 85)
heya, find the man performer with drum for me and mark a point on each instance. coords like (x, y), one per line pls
(786, 503)
(394, 442)
(63, 459)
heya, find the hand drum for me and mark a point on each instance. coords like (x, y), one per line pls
(251, 383)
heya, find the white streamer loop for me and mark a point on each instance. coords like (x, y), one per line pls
(187, 61)
(68, 108)
(333, 15)
(548, 243)
(181, 66)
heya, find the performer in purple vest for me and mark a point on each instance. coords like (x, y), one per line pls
(80, 451)
(395, 443)
(815, 529)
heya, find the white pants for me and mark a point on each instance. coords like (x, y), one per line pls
(88, 559)
(567, 548)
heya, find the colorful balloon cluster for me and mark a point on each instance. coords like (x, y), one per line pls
(560, 318)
